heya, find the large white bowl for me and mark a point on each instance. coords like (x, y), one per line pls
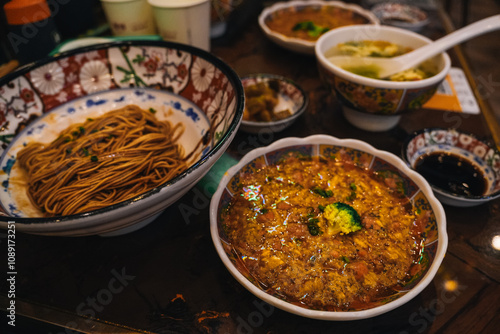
(301, 45)
(182, 83)
(373, 104)
(416, 188)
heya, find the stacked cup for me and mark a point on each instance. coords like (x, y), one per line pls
(129, 17)
(183, 21)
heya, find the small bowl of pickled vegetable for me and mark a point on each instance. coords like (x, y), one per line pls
(272, 103)
(462, 170)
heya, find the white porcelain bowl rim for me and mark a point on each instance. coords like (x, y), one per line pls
(326, 315)
(322, 45)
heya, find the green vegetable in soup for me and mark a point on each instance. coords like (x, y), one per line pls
(383, 49)
(341, 218)
(370, 71)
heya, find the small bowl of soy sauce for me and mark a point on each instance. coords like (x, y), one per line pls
(462, 170)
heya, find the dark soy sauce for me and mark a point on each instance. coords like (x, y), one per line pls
(451, 173)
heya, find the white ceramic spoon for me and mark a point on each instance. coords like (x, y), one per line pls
(386, 67)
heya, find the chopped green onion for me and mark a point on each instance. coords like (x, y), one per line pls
(312, 225)
(312, 29)
(323, 192)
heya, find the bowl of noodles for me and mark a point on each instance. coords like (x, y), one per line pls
(102, 139)
(328, 228)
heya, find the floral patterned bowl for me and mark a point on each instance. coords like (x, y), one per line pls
(443, 143)
(290, 97)
(386, 165)
(180, 82)
(372, 104)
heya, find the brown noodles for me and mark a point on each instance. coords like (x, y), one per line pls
(103, 161)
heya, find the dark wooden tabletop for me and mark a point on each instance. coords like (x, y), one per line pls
(168, 278)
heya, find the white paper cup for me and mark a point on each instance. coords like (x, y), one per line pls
(129, 17)
(183, 21)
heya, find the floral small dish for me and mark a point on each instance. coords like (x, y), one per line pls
(289, 97)
(476, 179)
(387, 165)
(401, 15)
(290, 9)
(174, 81)
(375, 104)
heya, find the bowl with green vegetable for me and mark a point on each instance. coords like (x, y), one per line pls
(297, 25)
(320, 227)
(370, 102)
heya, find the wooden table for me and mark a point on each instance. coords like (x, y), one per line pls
(168, 278)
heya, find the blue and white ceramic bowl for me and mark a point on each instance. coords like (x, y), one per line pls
(483, 156)
(182, 83)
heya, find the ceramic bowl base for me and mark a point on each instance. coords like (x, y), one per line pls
(368, 122)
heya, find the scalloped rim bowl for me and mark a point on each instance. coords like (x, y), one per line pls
(208, 95)
(297, 44)
(438, 239)
(291, 95)
(479, 153)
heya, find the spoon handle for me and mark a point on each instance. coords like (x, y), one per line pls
(480, 27)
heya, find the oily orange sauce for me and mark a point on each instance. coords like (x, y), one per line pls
(267, 226)
(327, 17)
